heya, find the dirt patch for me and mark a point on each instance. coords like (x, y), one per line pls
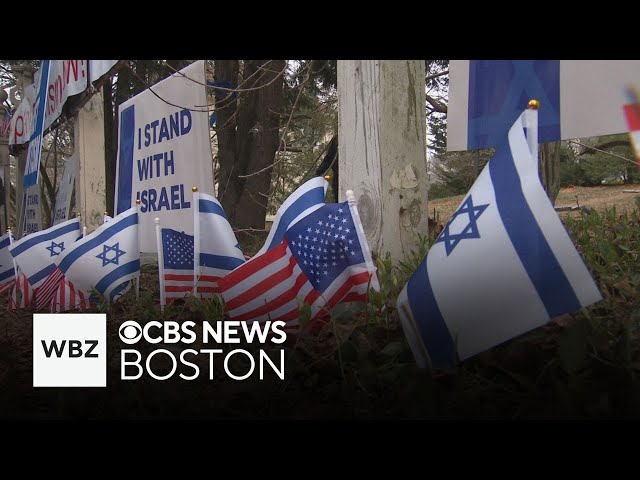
(601, 197)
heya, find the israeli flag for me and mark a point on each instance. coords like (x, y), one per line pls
(307, 198)
(503, 265)
(216, 249)
(105, 258)
(38, 254)
(7, 271)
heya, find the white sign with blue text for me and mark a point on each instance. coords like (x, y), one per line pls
(32, 214)
(163, 150)
(63, 197)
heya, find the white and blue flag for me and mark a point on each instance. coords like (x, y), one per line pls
(486, 96)
(106, 258)
(38, 254)
(216, 250)
(503, 265)
(307, 198)
(7, 272)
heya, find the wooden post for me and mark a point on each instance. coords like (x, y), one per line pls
(24, 78)
(90, 185)
(382, 149)
(4, 166)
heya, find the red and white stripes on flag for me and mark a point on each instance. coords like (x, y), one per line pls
(7, 286)
(632, 114)
(323, 260)
(273, 287)
(68, 299)
(46, 292)
(177, 286)
(274, 275)
(22, 293)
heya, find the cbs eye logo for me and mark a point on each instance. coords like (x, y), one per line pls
(130, 332)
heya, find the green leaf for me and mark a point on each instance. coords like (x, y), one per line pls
(573, 347)
(304, 314)
(392, 349)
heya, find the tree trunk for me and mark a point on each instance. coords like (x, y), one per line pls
(382, 150)
(251, 146)
(550, 169)
(226, 121)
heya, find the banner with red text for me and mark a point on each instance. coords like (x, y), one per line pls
(66, 78)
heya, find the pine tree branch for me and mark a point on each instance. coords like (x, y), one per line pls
(435, 75)
(436, 106)
(605, 145)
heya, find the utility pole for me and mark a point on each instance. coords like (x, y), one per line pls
(24, 78)
(4, 162)
(382, 150)
(88, 128)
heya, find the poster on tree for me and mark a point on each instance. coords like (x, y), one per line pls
(164, 150)
(63, 197)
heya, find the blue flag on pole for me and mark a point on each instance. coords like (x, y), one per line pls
(32, 167)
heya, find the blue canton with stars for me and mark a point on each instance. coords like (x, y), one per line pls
(325, 244)
(177, 250)
(473, 212)
(55, 249)
(108, 258)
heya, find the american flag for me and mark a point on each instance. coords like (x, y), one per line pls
(322, 260)
(67, 298)
(7, 286)
(45, 293)
(177, 272)
(22, 293)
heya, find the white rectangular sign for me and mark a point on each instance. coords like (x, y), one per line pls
(63, 197)
(32, 210)
(578, 98)
(164, 150)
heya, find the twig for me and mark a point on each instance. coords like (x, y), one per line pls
(602, 151)
(283, 137)
(231, 90)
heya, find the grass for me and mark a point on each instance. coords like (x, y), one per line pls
(583, 365)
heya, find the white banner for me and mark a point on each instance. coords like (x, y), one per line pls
(63, 197)
(98, 68)
(66, 78)
(578, 98)
(32, 212)
(163, 151)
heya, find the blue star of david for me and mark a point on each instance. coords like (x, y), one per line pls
(451, 240)
(106, 249)
(53, 247)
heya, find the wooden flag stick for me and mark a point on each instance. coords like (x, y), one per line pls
(160, 263)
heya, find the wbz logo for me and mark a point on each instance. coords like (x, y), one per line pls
(69, 350)
(74, 350)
